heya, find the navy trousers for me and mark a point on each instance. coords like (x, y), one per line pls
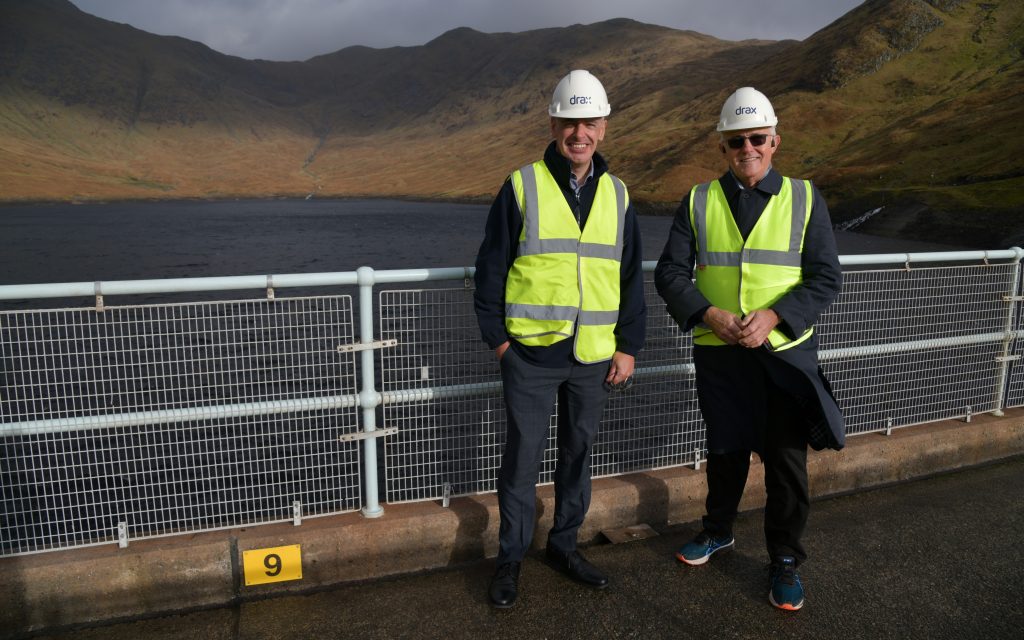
(530, 393)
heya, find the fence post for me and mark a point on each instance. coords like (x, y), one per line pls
(368, 397)
(1012, 300)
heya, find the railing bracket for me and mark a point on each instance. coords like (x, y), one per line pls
(967, 418)
(446, 494)
(99, 297)
(297, 512)
(366, 435)
(888, 426)
(122, 535)
(363, 346)
(270, 287)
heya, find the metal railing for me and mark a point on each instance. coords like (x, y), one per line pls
(136, 421)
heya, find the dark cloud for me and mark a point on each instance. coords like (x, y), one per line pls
(300, 29)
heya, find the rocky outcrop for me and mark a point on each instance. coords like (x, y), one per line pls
(899, 33)
(859, 43)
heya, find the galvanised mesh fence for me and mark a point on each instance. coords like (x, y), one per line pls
(906, 346)
(901, 346)
(129, 422)
(142, 421)
(1015, 384)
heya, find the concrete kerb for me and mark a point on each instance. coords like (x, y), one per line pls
(188, 572)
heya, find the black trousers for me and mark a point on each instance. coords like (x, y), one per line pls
(530, 393)
(781, 433)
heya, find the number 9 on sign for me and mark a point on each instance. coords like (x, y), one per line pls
(275, 564)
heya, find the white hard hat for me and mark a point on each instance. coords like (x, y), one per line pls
(579, 95)
(746, 108)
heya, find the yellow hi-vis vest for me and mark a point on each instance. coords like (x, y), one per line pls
(565, 281)
(744, 276)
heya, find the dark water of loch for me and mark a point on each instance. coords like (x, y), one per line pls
(127, 241)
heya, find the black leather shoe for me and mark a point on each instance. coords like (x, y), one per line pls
(576, 567)
(505, 585)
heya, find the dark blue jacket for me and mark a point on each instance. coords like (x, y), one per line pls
(798, 309)
(498, 252)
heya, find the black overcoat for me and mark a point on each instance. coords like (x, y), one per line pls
(733, 381)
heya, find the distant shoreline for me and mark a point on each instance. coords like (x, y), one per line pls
(643, 207)
(650, 207)
(239, 198)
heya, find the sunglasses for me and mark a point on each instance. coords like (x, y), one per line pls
(756, 140)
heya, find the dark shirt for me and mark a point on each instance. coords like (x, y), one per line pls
(498, 252)
(801, 306)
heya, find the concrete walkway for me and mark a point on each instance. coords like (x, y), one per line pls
(936, 558)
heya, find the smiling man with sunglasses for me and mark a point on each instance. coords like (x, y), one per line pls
(749, 265)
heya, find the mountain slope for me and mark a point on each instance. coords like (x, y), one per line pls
(909, 105)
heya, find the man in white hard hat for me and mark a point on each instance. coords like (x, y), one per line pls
(766, 268)
(559, 297)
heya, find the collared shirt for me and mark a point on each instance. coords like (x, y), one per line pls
(574, 183)
(747, 204)
(577, 187)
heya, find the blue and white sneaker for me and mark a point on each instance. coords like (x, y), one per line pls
(786, 592)
(701, 548)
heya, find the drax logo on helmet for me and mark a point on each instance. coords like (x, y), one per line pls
(746, 111)
(581, 100)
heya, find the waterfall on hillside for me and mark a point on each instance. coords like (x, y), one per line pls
(850, 225)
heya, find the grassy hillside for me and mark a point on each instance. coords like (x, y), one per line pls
(929, 132)
(910, 105)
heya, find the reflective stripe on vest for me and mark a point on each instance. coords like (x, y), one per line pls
(564, 281)
(741, 276)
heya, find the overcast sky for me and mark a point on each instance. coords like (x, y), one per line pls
(301, 29)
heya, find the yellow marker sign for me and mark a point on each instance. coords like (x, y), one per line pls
(275, 564)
